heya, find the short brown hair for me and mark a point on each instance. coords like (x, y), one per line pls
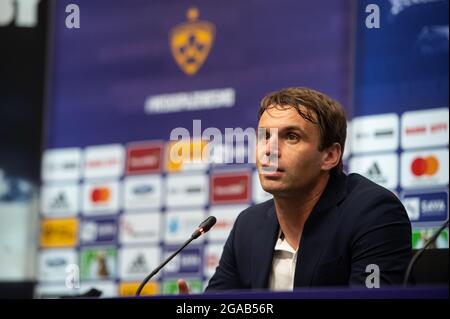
(330, 115)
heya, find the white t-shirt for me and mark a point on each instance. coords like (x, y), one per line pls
(283, 266)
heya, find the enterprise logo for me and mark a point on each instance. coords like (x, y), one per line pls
(144, 158)
(56, 262)
(422, 129)
(230, 187)
(374, 133)
(109, 162)
(212, 260)
(103, 161)
(173, 225)
(100, 195)
(378, 133)
(142, 189)
(427, 207)
(61, 164)
(186, 190)
(425, 128)
(425, 166)
(424, 169)
(130, 230)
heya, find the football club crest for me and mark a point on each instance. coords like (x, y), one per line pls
(191, 42)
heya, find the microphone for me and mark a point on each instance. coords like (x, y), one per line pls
(202, 228)
(416, 257)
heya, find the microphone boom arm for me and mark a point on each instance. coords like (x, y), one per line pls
(154, 272)
(202, 228)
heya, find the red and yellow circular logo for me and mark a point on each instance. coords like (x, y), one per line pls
(100, 195)
(425, 166)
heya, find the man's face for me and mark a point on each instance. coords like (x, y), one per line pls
(299, 160)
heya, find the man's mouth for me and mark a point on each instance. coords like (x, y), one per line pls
(267, 169)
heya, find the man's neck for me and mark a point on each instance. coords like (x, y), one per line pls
(293, 210)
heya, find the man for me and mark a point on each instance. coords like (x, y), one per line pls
(322, 228)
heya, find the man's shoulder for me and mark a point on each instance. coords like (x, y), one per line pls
(366, 198)
(358, 185)
(255, 214)
(369, 207)
(257, 210)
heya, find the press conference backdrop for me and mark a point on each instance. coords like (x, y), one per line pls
(113, 202)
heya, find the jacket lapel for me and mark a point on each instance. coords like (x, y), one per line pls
(262, 249)
(316, 229)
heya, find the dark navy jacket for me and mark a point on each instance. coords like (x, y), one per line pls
(354, 224)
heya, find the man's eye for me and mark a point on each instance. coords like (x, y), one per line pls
(292, 137)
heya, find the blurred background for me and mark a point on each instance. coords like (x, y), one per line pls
(90, 91)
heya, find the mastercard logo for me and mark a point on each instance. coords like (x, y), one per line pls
(100, 195)
(425, 166)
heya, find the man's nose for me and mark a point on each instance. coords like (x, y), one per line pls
(272, 146)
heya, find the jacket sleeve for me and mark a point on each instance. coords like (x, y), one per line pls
(226, 276)
(382, 242)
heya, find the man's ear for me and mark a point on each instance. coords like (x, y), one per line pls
(331, 157)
